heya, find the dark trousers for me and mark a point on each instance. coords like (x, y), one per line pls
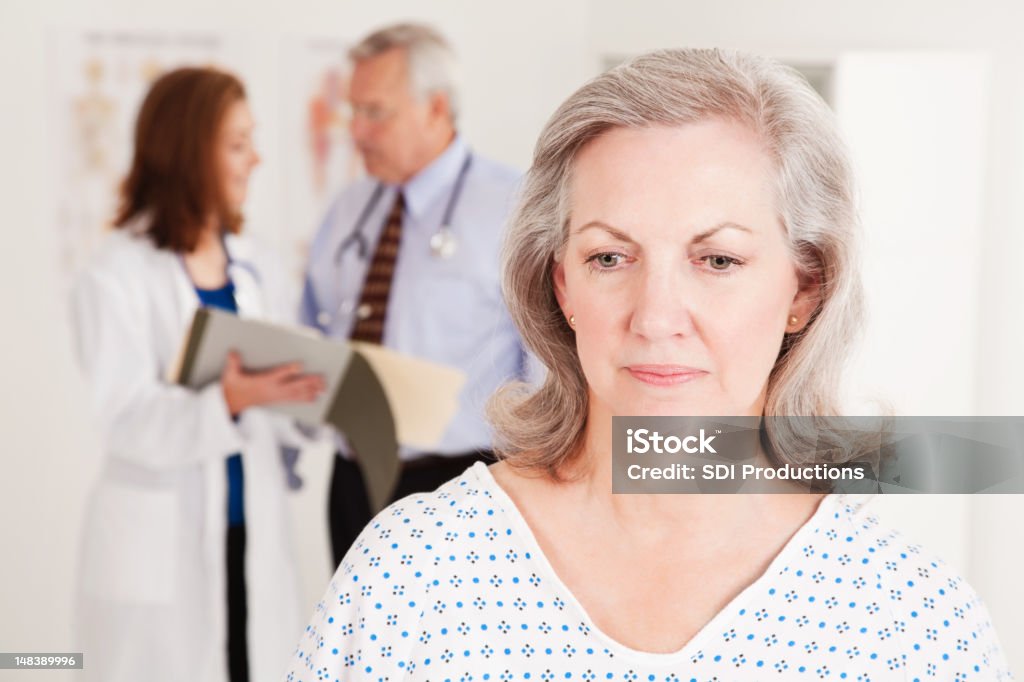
(349, 504)
(238, 659)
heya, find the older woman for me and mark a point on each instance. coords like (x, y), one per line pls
(683, 247)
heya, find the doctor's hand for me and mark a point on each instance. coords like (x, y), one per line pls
(281, 384)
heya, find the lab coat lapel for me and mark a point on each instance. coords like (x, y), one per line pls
(243, 271)
(186, 299)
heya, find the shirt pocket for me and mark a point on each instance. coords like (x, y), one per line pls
(454, 317)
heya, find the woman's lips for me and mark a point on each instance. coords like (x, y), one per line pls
(664, 375)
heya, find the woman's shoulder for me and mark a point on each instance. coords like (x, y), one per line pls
(927, 599)
(428, 530)
(122, 254)
(420, 528)
(372, 613)
(396, 566)
(861, 540)
(120, 241)
(851, 522)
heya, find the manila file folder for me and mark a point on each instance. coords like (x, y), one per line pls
(378, 398)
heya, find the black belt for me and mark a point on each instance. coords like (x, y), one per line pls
(431, 461)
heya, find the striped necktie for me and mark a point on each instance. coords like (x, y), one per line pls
(373, 300)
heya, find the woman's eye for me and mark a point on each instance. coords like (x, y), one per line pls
(606, 261)
(720, 263)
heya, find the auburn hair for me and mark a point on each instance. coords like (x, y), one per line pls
(174, 179)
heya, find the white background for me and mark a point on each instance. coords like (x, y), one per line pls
(931, 96)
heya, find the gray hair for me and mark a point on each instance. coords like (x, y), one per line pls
(430, 59)
(544, 428)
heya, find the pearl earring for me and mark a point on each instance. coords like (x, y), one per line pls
(793, 319)
(572, 321)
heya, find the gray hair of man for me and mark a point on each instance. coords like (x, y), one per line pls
(431, 60)
(543, 428)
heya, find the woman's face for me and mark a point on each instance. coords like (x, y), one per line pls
(236, 155)
(677, 271)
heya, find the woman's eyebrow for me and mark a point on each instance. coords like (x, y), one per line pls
(720, 226)
(622, 236)
(598, 224)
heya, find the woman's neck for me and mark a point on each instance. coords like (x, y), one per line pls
(660, 515)
(207, 263)
(210, 235)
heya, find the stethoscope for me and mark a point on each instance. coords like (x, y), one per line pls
(443, 243)
(233, 267)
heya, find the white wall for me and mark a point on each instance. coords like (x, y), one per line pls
(520, 60)
(919, 156)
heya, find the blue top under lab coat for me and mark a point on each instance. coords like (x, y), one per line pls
(224, 299)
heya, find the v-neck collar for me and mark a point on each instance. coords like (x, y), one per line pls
(828, 505)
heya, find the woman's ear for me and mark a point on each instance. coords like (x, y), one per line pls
(558, 280)
(805, 303)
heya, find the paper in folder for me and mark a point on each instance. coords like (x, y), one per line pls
(378, 398)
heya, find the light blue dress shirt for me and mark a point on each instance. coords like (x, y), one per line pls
(447, 310)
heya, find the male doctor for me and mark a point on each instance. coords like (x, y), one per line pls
(409, 256)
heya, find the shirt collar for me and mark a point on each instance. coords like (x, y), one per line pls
(438, 177)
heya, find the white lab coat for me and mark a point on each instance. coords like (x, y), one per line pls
(151, 593)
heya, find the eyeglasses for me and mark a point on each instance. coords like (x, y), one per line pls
(371, 113)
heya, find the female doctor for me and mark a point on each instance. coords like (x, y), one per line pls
(186, 569)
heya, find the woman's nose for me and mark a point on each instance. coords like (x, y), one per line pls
(664, 303)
